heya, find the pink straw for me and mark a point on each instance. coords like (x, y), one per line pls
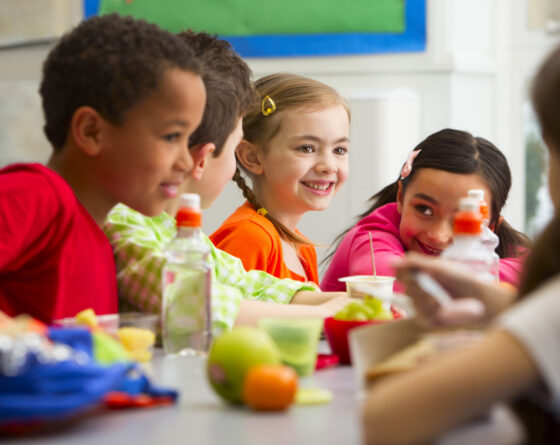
(372, 256)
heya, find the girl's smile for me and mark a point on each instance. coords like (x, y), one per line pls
(426, 249)
(320, 187)
(428, 206)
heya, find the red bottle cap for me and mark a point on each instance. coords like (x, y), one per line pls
(188, 217)
(189, 214)
(468, 220)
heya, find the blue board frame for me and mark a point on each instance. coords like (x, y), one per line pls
(413, 39)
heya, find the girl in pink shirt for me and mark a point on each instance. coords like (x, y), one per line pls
(416, 211)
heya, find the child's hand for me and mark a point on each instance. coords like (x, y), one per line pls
(473, 300)
(335, 304)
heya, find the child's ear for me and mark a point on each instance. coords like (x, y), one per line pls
(250, 157)
(200, 153)
(399, 197)
(85, 128)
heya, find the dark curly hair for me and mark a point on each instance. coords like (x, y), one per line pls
(229, 90)
(110, 63)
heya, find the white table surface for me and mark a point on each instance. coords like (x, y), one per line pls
(201, 418)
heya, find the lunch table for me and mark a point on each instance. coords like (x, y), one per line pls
(201, 418)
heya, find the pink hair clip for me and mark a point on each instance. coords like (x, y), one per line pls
(407, 167)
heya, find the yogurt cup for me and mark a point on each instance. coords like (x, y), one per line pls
(358, 286)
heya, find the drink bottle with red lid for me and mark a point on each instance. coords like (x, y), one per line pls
(488, 238)
(467, 247)
(186, 277)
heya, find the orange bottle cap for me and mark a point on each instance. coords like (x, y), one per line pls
(188, 217)
(189, 214)
(484, 210)
(467, 222)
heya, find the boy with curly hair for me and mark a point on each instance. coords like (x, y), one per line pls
(121, 97)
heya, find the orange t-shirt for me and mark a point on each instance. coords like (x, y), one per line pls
(254, 239)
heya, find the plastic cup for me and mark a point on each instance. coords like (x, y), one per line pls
(375, 286)
(108, 322)
(141, 320)
(139, 345)
(297, 340)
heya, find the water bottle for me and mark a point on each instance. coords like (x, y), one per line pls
(467, 247)
(489, 239)
(186, 275)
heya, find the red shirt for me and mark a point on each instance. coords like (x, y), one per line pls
(254, 239)
(54, 259)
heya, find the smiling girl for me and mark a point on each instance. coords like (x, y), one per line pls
(295, 152)
(415, 213)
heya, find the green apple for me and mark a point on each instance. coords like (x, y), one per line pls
(233, 354)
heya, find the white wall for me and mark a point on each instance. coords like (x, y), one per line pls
(474, 76)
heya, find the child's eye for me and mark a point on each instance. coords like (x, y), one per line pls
(424, 210)
(340, 151)
(172, 137)
(305, 148)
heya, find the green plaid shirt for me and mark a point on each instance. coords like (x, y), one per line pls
(138, 244)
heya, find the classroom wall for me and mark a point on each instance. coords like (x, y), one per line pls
(473, 75)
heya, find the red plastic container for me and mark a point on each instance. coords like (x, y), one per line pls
(337, 334)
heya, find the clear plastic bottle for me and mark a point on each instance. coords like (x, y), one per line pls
(186, 313)
(467, 247)
(489, 239)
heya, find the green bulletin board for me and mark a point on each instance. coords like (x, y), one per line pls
(250, 17)
(288, 28)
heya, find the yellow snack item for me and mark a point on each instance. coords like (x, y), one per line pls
(87, 317)
(140, 355)
(136, 338)
(137, 342)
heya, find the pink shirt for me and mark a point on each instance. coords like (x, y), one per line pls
(353, 256)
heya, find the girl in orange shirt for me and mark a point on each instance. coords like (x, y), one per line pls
(295, 154)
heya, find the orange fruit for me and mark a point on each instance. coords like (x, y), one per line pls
(270, 387)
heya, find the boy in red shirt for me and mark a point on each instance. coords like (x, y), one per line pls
(121, 98)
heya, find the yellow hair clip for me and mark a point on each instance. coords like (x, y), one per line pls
(262, 211)
(267, 106)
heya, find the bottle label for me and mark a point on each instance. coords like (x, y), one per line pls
(168, 277)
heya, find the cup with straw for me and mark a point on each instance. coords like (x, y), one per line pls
(376, 285)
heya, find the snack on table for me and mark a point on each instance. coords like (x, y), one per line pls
(370, 308)
(87, 317)
(430, 346)
(404, 360)
(137, 342)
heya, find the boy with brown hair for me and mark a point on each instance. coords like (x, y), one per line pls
(121, 98)
(238, 296)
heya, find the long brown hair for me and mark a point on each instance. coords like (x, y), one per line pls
(544, 260)
(287, 91)
(545, 96)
